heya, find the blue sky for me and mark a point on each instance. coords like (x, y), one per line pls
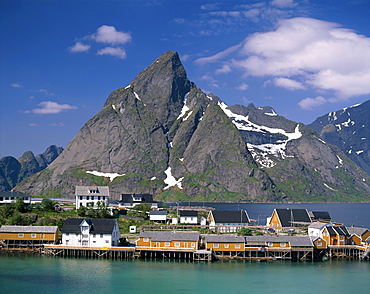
(61, 59)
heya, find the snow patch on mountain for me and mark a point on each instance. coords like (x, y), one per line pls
(111, 176)
(171, 181)
(261, 153)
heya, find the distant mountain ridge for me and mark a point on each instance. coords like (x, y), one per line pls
(13, 171)
(349, 130)
(163, 136)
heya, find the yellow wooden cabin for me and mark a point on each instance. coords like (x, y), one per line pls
(13, 235)
(359, 235)
(224, 243)
(289, 218)
(336, 235)
(168, 241)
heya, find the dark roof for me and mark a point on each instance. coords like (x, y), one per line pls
(128, 198)
(98, 226)
(188, 213)
(158, 212)
(230, 216)
(290, 216)
(320, 215)
(13, 194)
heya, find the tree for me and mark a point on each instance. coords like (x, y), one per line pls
(19, 205)
(47, 204)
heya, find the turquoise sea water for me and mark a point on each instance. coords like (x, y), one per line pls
(40, 274)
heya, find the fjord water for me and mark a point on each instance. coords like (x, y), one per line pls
(41, 274)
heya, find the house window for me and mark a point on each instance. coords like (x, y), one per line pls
(98, 197)
(226, 245)
(80, 197)
(215, 245)
(87, 197)
(270, 244)
(146, 239)
(167, 244)
(237, 246)
(319, 243)
(101, 235)
(94, 235)
(20, 235)
(94, 241)
(177, 244)
(282, 244)
(192, 244)
(67, 234)
(33, 235)
(1, 198)
(106, 241)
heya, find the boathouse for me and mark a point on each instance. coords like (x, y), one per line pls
(225, 245)
(279, 247)
(91, 195)
(28, 236)
(90, 232)
(228, 221)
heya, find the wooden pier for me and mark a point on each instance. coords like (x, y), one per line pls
(89, 252)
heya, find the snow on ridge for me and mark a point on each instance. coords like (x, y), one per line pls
(127, 86)
(111, 176)
(340, 160)
(273, 113)
(359, 152)
(114, 106)
(171, 180)
(153, 178)
(137, 96)
(327, 186)
(257, 128)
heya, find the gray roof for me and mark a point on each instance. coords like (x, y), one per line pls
(318, 225)
(28, 229)
(357, 230)
(224, 238)
(188, 213)
(293, 240)
(320, 215)
(169, 236)
(84, 190)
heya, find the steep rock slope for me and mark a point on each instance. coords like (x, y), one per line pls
(163, 135)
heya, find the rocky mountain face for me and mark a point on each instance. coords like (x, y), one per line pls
(162, 135)
(348, 129)
(13, 171)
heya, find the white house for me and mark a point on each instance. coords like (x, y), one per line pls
(91, 194)
(315, 229)
(90, 232)
(188, 217)
(228, 221)
(9, 197)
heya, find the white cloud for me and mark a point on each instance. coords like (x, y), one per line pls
(109, 34)
(117, 52)
(79, 47)
(212, 82)
(312, 103)
(46, 92)
(33, 125)
(288, 84)
(242, 87)
(16, 85)
(283, 3)
(209, 7)
(322, 55)
(50, 107)
(60, 124)
(224, 69)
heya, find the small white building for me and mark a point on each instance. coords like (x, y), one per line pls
(188, 217)
(90, 232)
(91, 194)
